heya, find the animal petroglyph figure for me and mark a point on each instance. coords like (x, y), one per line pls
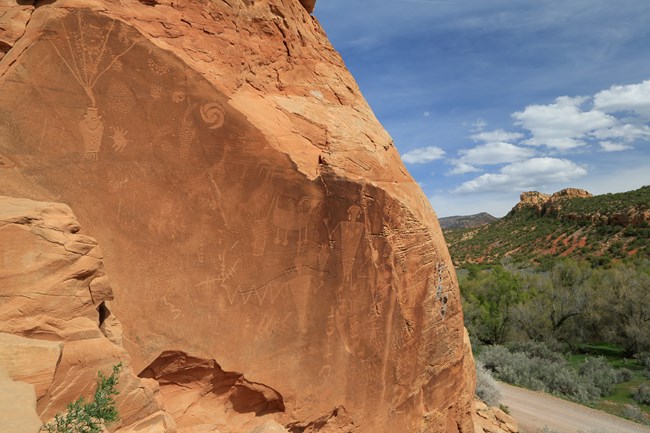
(291, 216)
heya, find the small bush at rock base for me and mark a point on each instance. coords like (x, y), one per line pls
(82, 417)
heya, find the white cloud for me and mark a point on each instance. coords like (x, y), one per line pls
(630, 98)
(494, 153)
(462, 168)
(534, 173)
(496, 135)
(426, 114)
(624, 132)
(610, 146)
(423, 155)
(562, 125)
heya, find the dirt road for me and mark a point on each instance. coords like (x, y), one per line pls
(534, 410)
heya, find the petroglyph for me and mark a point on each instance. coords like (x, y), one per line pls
(156, 64)
(260, 235)
(119, 139)
(212, 114)
(92, 131)
(155, 91)
(120, 98)
(222, 280)
(116, 183)
(178, 96)
(175, 311)
(291, 216)
(87, 57)
(325, 372)
(186, 132)
(351, 232)
(118, 66)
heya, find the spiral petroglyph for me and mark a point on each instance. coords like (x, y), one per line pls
(212, 114)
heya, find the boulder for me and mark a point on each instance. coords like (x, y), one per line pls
(252, 215)
(492, 420)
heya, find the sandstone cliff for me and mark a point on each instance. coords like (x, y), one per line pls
(547, 204)
(269, 254)
(600, 211)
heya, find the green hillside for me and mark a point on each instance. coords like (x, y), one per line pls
(597, 228)
(466, 221)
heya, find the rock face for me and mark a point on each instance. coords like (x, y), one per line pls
(271, 258)
(17, 406)
(492, 420)
(54, 312)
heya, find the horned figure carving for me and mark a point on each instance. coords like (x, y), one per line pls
(290, 215)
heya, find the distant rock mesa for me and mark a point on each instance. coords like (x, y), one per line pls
(545, 203)
(272, 264)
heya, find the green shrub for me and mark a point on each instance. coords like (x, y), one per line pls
(598, 372)
(536, 350)
(89, 417)
(642, 394)
(535, 366)
(633, 413)
(643, 359)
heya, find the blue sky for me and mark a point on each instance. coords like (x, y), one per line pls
(486, 99)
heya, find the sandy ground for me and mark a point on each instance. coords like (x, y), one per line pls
(534, 410)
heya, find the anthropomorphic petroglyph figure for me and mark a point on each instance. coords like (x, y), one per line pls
(92, 131)
(351, 231)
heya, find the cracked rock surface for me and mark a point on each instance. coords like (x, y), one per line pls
(52, 334)
(251, 210)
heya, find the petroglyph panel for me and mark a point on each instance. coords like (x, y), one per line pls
(328, 283)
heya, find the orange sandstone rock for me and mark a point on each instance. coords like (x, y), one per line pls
(50, 319)
(265, 245)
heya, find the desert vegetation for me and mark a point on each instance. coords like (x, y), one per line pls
(573, 330)
(601, 230)
(91, 417)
